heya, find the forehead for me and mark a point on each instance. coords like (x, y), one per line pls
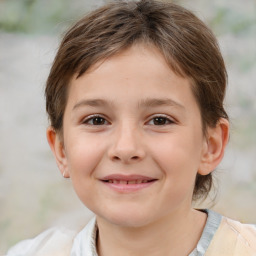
(137, 54)
(138, 73)
(140, 61)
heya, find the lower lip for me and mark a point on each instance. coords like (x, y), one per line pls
(128, 188)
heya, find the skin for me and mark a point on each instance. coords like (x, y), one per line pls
(129, 92)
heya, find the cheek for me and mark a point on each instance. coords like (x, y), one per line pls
(178, 152)
(83, 155)
(178, 157)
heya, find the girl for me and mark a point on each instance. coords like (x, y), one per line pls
(135, 102)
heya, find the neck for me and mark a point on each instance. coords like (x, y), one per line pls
(170, 235)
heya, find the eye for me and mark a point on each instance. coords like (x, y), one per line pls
(160, 120)
(95, 120)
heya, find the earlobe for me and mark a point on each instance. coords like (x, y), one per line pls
(57, 147)
(215, 144)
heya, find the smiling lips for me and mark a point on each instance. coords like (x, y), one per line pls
(128, 183)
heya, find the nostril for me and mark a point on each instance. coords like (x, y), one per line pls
(117, 158)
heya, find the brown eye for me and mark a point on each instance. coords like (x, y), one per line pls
(95, 120)
(98, 121)
(160, 120)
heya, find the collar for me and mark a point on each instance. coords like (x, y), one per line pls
(85, 241)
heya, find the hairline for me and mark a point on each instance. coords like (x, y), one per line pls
(77, 73)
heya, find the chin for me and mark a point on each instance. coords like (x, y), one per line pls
(133, 219)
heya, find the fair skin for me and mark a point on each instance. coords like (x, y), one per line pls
(131, 118)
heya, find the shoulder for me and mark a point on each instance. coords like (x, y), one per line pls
(52, 242)
(247, 231)
(233, 238)
(59, 242)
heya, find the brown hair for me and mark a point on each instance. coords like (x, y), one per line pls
(188, 46)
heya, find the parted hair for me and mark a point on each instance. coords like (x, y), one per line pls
(187, 44)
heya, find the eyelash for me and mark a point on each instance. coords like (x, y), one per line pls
(162, 117)
(90, 118)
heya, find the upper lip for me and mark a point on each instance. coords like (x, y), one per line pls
(127, 177)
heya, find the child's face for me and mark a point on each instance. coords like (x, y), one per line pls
(131, 118)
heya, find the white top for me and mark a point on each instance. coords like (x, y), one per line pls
(57, 242)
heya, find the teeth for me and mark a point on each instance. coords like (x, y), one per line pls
(128, 182)
(131, 182)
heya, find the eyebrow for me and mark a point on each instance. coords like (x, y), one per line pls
(145, 103)
(92, 103)
(154, 102)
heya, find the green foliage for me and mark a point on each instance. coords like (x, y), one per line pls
(39, 16)
(228, 20)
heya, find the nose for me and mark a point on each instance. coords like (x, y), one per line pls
(127, 145)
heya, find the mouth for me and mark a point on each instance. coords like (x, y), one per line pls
(128, 183)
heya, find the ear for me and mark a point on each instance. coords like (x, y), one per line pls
(57, 147)
(214, 147)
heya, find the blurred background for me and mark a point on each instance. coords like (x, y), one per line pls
(33, 194)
